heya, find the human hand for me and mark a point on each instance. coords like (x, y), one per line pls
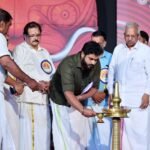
(145, 101)
(19, 86)
(79, 97)
(110, 100)
(44, 86)
(88, 112)
(33, 85)
(99, 96)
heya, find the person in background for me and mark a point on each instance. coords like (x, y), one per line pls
(144, 37)
(101, 132)
(34, 60)
(75, 80)
(7, 64)
(130, 67)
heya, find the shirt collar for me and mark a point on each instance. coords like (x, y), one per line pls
(135, 47)
(103, 55)
(39, 48)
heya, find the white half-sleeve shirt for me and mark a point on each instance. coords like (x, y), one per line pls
(38, 65)
(3, 51)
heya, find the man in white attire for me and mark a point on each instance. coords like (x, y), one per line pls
(12, 88)
(6, 63)
(130, 66)
(35, 122)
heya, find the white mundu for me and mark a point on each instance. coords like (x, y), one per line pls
(79, 137)
(131, 68)
(12, 115)
(34, 108)
(6, 141)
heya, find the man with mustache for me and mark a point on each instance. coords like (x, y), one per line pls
(70, 123)
(35, 122)
(7, 64)
(130, 67)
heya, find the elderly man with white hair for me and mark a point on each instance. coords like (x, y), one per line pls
(130, 67)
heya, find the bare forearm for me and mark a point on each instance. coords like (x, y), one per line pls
(9, 65)
(90, 93)
(10, 81)
(73, 101)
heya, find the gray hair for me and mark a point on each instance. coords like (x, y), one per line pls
(132, 25)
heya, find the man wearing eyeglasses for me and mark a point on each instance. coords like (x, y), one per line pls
(130, 67)
(35, 112)
(8, 65)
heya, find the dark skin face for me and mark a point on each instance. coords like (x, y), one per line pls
(33, 38)
(88, 61)
(100, 40)
(4, 27)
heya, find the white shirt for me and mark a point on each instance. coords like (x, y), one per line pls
(38, 65)
(3, 51)
(131, 68)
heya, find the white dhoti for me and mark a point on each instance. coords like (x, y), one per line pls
(136, 130)
(6, 140)
(35, 126)
(71, 130)
(12, 116)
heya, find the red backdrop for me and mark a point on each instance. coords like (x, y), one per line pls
(134, 11)
(62, 23)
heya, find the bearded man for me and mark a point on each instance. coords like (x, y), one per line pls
(75, 80)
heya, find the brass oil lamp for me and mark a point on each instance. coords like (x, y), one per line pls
(116, 113)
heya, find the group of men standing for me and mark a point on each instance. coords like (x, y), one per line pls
(27, 125)
(73, 92)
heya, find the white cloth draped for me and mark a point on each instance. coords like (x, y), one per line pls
(35, 127)
(71, 130)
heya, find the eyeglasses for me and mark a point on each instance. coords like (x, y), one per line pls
(34, 35)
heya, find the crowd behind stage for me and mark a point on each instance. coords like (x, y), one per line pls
(43, 108)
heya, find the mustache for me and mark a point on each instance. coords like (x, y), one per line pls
(90, 66)
(36, 41)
